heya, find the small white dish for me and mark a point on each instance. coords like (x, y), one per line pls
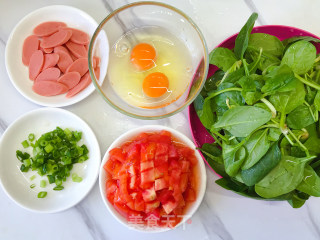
(18, 73)
(16, 184)
(127, 136)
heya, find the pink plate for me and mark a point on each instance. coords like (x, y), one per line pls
(199, 133)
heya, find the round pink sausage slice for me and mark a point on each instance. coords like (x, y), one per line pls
(49, 74)
(48, 28)
(47, 50)
(49, 88)
(60, 49)
(77, 50)
(64, 61)
(56, 39)
(70, 79)
(79, 37)
(36, 64)
(80, 66)
(30, 45)
(50, 60)
(84, 82)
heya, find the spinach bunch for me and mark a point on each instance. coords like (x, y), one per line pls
(262, 108)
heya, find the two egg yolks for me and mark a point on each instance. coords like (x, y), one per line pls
(143, 57)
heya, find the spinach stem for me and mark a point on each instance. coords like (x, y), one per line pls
(219, 135)
(309, 83)
(257, 61)
(298, 141)
(317, 59)
(289, 140)
(270, 106)
(234, 67)
(310, 110)
(282, 123)
(245, 66)
(212, 95)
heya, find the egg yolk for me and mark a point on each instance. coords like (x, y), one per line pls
(155, 84)
(143, 56)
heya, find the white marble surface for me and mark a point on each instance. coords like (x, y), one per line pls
(222, 215)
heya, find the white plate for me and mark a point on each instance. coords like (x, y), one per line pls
(18, 73)
(103, 177)
(17, 184)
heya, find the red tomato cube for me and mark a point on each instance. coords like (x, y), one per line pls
(185, 166)
(160, 184)
(117, 154)
(184, 181)
(146, 165)
(151, 206)
(169, 206)
(190, 195)
(147, 177)
(149, 194)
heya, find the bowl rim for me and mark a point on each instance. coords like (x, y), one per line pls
(262, 27)
(56, 7)
(96, 173)
(134, 132)
(160, 4)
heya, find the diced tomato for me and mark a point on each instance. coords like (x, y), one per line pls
(151, 206)
(165, 133)
(184, 181)
(173, 153)
(190, 195)
(161, 170)
(151, 176)
(174, 164)
(149, 194)
(164, 195)
(117, 154)
(147, 177)
(146, 165)
(185, 166)
(147, 151)
(169, 206)
(133, 182)
(160, 184)
(157, 138)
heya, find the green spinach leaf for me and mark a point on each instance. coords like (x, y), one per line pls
(233, 157)
(284, 178)
(242, 39)
(204, 111)
(258, 171)
(268, 43)
(223, 58)
(256, 146)
(300, 117)
(310, 183)
(240, 121)
(251, 86)
(300, 57)
(285, 102)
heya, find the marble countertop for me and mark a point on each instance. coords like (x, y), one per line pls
(222, 214)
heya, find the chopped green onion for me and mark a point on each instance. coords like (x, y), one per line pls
(43, 183)
(48, 148)
(42, 194)
(32, 185)
(33, 177)
(31, 137)
(54, 154)
(76, 178)
(27, 162)
(25, 144)
(58, 188)
(51, 179)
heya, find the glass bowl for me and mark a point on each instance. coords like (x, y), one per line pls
(151, 14)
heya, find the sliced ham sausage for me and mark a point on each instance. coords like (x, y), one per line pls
(48, 28)
(30, 45)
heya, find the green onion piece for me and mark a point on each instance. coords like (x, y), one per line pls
(51, 179)
(42, 194)
(27, 162)
(43, 143)
(31, 137)
(58, 182)
(25, 144)
(23, 168)
(68, 133)
(32, 185)
(58, 188)
(76, 178)
(43, 183)
(33, 177)
(48, 148)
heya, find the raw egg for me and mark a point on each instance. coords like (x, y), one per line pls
(149, 67)
(143, 56)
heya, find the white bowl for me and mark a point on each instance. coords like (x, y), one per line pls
(16, 184)
(18, 73)
(103, 176)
